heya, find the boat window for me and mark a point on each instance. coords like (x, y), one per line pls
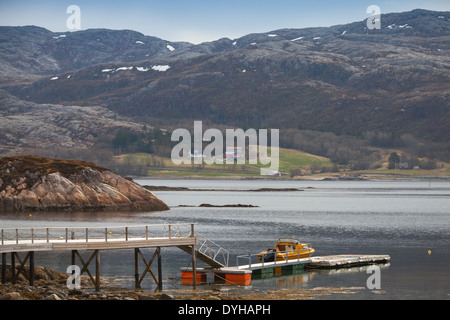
(281, 247)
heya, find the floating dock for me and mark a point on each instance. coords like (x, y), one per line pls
(345, 261)
(243, 274)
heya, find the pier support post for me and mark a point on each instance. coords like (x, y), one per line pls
(194, 267)
(160, 286)
(137, 283)
(13, 268)
(194, 258)
(97, 270)
(3, 268)
(32, 268)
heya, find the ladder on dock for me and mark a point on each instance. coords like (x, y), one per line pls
(209, 252)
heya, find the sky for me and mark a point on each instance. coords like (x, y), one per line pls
(198, 21)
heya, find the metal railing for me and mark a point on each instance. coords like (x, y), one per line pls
(213, 250)
(86, 234)
(42, 235)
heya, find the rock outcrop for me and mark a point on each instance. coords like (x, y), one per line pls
(32, 183)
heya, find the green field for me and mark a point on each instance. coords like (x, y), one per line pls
(163, 166)
(290, 158)
(443, 172)
(309, 165)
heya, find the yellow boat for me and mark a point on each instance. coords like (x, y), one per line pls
(286, 246)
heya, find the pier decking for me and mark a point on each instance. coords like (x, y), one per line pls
(345, 261)
(75, 239)
(95, 238)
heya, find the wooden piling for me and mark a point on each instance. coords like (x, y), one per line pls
(31, 268)
(97, 270)
(13, 268)
(160, 286)
(3, 268)
(137, 283)
(194, 267)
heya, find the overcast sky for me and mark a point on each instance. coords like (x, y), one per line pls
(200, 20)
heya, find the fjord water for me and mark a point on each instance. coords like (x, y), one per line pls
(404, 219)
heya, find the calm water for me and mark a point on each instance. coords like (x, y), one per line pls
(402, 219)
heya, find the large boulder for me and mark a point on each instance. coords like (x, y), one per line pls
(32, 183)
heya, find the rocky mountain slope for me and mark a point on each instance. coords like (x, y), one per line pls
(33, 50)
(345, 79)
(27, 124)
(31, 183)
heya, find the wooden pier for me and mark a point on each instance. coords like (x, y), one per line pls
(81, 239)
(31, 240)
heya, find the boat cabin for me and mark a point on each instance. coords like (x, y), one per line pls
(287, 244)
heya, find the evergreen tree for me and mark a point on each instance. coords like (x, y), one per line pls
(394, 159)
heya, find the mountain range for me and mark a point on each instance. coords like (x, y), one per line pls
(345, 79)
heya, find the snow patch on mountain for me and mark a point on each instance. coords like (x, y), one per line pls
(161, 68)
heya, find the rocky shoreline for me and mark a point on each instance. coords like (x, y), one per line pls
(51, 285)
(22, 291)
